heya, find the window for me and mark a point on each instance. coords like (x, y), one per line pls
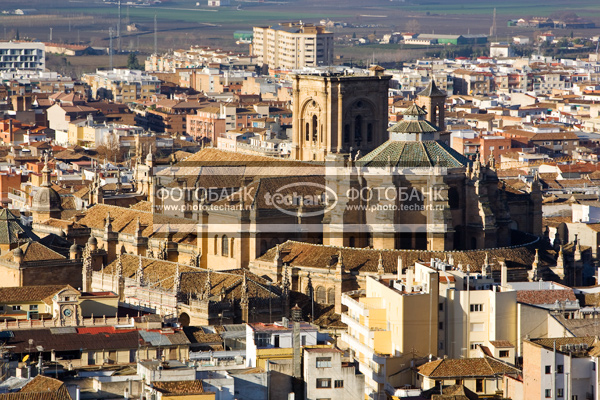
(548, 369)
(224, 246)
(262, 339)
(441, 307)
(560, 393)
(338, 383)
(559, 369)
(440, 325)
(504, 353)
(548, 393)
(479, 385)
(323, 383)
(474, 345)
(477, 327)
(476, 307)
(276, 341)
(323, 362)
(16, 308)
(33, 307)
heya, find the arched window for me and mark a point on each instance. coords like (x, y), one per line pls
(307, 131)
(224, 246)
(369, 132)
(351, 241)
(331, 296)
(232, 247)
(358, 130)
(346, 133)
(215, 251)
(321, 295)
(315, 128)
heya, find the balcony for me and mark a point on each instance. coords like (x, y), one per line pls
(355, 325)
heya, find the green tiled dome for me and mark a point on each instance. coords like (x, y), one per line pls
(414, 154)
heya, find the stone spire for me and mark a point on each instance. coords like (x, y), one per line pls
(560, 261)
(244, 298)
(87, 269)
(309, 286)
(138, 227)
(285, 288)
(140, 273)
(119, 266)
(46, 172)
(534, 273)
(285, 283)
(207, 286)
(108, 223)
(380, 269)
(176, 279)
(150, 252)
(485, 268)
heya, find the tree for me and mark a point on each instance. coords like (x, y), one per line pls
(354, 35)
(413, 26)
(132, 62)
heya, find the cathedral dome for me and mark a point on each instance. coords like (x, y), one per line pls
(46, 199)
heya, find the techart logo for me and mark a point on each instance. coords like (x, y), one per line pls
(313, 198)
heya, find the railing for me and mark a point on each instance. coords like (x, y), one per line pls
(55, 323)
(204, 355)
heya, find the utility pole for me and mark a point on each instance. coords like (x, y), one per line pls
(50, 34)
(155, 30)
(110, 49)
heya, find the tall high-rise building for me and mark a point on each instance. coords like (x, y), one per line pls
(293, 46)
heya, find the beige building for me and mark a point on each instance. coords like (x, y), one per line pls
(293, 46)
(122, 85)
(393, 323)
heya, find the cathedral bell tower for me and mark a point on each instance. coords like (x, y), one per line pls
(433, 101)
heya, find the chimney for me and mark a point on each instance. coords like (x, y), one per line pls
(503, 274)
(409, 280)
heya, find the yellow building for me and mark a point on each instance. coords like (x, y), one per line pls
(44, 302)
(390, 324)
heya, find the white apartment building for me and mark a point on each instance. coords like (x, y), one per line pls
(293, 46)
(328, 376)
(560, 368)
(22, 56)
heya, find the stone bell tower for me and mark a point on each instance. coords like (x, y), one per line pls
(433, 101)
(338, 113)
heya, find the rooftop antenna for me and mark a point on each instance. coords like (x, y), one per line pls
(110, 49)
(155, 50)
(119, 29)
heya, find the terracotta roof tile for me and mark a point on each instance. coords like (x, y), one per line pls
(456, 368)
